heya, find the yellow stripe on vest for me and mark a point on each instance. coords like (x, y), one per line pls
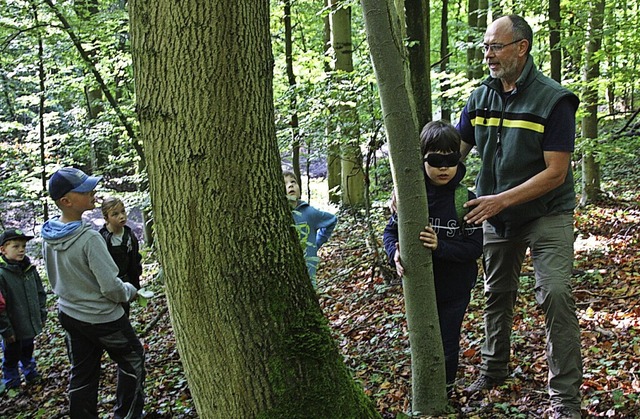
(511, 123)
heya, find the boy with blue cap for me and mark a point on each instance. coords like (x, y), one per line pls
(90, 296)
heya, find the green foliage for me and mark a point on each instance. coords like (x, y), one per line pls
(71, 136)
(100, 143)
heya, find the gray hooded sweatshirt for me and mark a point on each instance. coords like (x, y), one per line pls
(82, 273)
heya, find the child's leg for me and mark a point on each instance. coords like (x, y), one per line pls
(124, 347)
(27, 361)
(11, 374)
(85, 354)
(451, 313)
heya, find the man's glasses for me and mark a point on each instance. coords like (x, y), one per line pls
(497, 47)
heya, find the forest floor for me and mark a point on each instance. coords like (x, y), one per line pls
(364, 305)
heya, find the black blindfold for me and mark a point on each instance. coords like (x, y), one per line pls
(442, 160)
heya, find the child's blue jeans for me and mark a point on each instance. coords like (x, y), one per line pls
(18, 354)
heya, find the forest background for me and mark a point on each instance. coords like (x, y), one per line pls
(68, 99)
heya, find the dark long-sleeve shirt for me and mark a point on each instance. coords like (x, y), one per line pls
(455, 260)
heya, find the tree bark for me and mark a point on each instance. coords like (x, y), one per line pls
(590, 165)
(418, 35)
(554, 40)
(334, 170)
(391, 69)
(249, 329)
(293, 101)
(351, 173)
(444, 61)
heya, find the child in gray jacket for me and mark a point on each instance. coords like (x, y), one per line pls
(90, 296)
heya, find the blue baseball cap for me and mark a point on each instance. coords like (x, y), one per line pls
(70, 179)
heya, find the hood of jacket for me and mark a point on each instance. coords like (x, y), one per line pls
(61, 235)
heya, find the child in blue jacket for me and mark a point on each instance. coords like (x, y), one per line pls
(314, 226)
(456, 246)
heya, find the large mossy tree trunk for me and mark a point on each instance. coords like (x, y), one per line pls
(390, 65)
(250, 332)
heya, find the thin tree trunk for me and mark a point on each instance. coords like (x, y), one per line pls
(391, 70)
(41, 111)
(554, 40)
(477, 21)
(96, 74)
(418, 35)
(444, 57)
(334, 169)
(351, 173)
(100, 150)
(293, 100)
(590, 165)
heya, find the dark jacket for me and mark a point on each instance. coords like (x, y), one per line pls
(126, 255)
(454, 261)
(25, 297)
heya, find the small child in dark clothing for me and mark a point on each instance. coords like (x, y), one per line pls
(25, 312)
(455, 246)
(121, 243)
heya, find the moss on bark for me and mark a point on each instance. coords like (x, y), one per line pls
(309, 377)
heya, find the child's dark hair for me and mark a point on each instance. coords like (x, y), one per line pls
(110, 203)
(439, 136)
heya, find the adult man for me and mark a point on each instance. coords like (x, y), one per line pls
(523, 125)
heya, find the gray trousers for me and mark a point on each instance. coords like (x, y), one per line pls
(550, 241)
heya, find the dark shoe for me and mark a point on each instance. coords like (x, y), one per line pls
(33, 377)
(12, 385)
(483, 382)
(562, 412)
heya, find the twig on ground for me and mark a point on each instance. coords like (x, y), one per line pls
(155, 321)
